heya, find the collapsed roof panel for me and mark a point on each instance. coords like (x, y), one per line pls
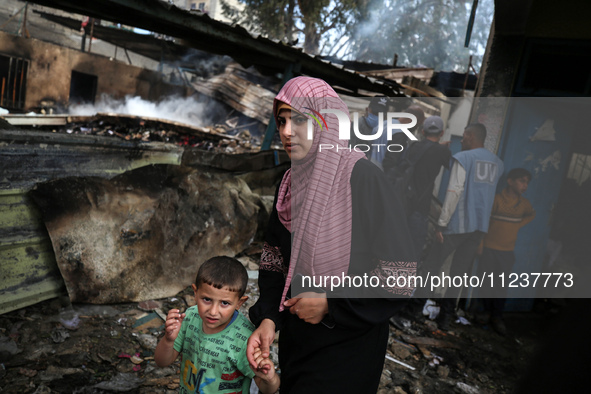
(244, 96)
(143, 44)
(204, 33)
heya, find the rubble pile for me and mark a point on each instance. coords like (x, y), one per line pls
(467, 359)
(228, 137)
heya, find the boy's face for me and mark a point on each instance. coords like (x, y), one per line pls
(216, 306)
(519, 185)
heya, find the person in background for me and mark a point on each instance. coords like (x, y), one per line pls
(510, 212)
(392, 157)
(368, 126)
(465, 214)
(433, 156)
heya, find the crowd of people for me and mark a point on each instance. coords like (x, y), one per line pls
(336, 215)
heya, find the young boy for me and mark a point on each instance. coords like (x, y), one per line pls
(212, 335)
(510, 212)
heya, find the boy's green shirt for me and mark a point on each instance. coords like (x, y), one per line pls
(214, 363)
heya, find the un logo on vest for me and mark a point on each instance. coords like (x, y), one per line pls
(486, 172)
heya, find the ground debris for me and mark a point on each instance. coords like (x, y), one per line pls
(430, 342)
(92, 360)
(217, 138)
(121, 382)
(466, 388)
(466, 359)
(59, 334)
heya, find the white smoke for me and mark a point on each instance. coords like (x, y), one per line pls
(179, 109)
(372, 24)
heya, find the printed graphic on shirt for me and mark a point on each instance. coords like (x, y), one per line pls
(191, 379)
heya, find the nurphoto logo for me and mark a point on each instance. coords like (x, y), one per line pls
(390, 127)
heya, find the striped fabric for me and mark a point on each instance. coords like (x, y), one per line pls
(319, 187)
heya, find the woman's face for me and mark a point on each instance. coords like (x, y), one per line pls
(293, 130)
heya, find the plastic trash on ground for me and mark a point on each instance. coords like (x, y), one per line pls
(431, 309)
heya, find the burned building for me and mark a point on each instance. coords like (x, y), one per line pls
(37, 74)
(58, 147)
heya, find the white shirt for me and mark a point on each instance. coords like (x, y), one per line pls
(457, 180)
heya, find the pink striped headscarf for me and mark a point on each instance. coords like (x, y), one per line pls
(318, 187)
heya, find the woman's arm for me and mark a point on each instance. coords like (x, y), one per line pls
(380, 237)
(273, 266)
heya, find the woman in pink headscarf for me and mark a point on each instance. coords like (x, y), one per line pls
(333, 215)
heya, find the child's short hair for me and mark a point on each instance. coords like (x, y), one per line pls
(517, 173)
(223, 271)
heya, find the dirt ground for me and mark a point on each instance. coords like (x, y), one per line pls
(54, 347)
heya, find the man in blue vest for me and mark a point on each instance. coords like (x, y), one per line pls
(465, 214)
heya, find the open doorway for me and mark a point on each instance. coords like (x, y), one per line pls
(82, 88)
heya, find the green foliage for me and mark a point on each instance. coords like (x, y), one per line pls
(427, 33)
(289, 20)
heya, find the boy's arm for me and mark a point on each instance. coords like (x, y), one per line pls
(266, 378)
(165, 353)
(496, 202)
(529, 214)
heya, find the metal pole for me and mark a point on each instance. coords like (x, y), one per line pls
(25, 33)
(127, 54)
(91, 33)
(470, 24)
(2, 94)
(467, 74)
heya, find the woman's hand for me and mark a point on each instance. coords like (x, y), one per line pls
(309, 306)
(261, 338)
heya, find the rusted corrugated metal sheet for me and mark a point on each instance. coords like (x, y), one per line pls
(28, 271)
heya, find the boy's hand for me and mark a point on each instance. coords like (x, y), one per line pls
(264, 375)
(266, 371)
(165, 353)
(261, 361)
(173, 324)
